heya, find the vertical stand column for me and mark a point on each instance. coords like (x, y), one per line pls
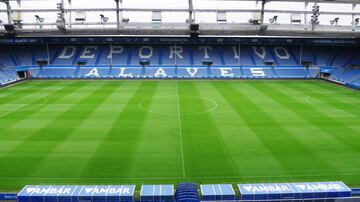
(118, 15)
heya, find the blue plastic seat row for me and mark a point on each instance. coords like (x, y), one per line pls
(187, 192)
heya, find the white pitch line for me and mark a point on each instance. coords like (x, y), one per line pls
(175, 178)
(180, 131)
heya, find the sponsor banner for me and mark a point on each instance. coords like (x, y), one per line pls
(313, 187)
(272, 188)
(355, 191)
(281, 188)
(113, 190)
(8, 196)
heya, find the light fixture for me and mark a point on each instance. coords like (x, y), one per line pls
(315, 14)
(273, 19)
(207, 62)
(39, 19)
(144, 62)
(335, 21)
(103, 19)
(357, 21)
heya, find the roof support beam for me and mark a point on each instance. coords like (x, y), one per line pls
(262, 10)
(353, 16)
(8, 10)
(191, 10)
(117, 15)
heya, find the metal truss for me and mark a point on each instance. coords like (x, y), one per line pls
(121, 27)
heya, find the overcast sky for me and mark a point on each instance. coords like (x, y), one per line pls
(178, 17)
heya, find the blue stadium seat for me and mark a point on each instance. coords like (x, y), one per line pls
(180, 61)
(187, 192)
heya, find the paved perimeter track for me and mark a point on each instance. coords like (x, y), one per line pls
(115, 132)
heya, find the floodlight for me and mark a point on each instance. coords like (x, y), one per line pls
(103, 19)
(273, 19)
(39, 19)
(357, 21)
(60, 24)
(335, 21)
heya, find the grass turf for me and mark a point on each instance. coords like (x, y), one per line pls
(117, 132)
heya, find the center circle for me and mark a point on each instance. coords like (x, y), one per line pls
(178, 105)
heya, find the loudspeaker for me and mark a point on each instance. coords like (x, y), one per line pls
(42, 62)
(194, 27)
(144, 62)
(9, 27)
(194, 30)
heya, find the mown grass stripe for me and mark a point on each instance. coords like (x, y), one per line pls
(316, 139)
(277, 140)
(66, 162)
(77, 115)
(244, 145)
(333, 127)
(211, 154)
(26, 88)
(26, 111)
(26, 97)
(45, 140)
(122, 141)
(328, 87)
(351, 108)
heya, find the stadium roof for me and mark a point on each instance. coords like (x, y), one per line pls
(226, 21)
(319, 1)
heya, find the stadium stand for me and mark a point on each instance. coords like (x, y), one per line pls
(186, 61)
(8, 75)
(347, 76)
(186, 192)
(180, 61)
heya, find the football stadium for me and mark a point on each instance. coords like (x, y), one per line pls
(179, 101)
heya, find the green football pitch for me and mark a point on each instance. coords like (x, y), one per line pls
(151, 132)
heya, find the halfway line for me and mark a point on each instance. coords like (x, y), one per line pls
(180, 131)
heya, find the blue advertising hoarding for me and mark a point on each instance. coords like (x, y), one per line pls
(306, 190)
(355, 192)
(154, 193)
(8, 196)
(109, 193)
(221, 192)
